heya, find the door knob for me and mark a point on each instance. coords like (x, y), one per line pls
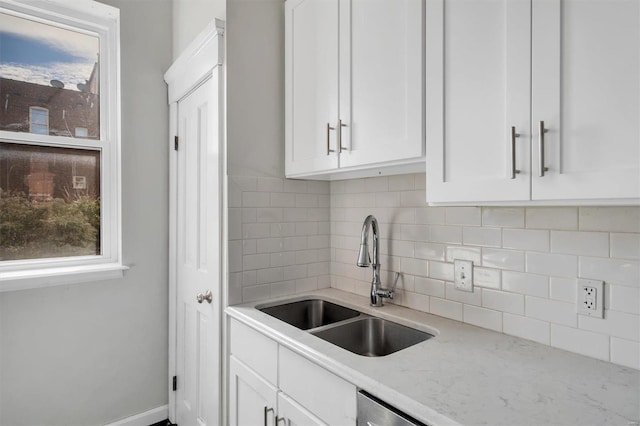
(208, 296)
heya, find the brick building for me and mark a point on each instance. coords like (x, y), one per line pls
(45, 173)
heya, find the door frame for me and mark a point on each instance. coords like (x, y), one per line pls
(194, 66)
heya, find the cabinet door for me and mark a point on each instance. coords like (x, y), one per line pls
(293, 414)
(477, 89)
(381, 81)
(586, 90)
(252, 400)
(311, 85)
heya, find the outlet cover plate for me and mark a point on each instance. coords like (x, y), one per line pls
(590, 298)
(463, 275)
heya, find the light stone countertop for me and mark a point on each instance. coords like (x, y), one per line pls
(467, 375)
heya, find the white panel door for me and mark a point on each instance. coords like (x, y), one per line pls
(586, 90)
(381, 81)
(293, 414)
(198, 225)
(252, 399)
(477, 90)
(311, 75)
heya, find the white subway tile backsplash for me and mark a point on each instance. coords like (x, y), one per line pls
(463, 216)
(503, 259)
(485, 318)
(468, 298)
(528, 284)
(527, 328)
(473, 254)
(476, 236)
(625, 352)
(387, 199)
(440, 270)
(580, 243)
(255, 199)
(583, 342)
(265, 184)
(618, 324)
(402, 183)
(414, 266)
(446, 308)
(430, 215)
(269, 214)
(557, 265)
(618, 271)
(551, 217)
(563, 289)
(503, 301)
(430, 251)
(610, 219)
(625, 246)
(505, 217)
(429, 286)
(416, 301)
(445, 234)
(294, 185)
(551, 310)
(486, 277)
(288, 236)
(526, 239)
(623, 299)
(416, 198)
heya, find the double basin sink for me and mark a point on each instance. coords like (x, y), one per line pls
(347, 328)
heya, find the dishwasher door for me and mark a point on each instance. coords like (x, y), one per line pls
(374, 412)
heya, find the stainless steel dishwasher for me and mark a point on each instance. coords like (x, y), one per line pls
(374, 412)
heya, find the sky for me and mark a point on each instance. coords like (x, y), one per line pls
(38, 53)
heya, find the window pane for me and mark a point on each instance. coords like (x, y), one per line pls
(48, 68)
(49, 202)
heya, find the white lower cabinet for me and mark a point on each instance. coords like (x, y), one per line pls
(270, 385)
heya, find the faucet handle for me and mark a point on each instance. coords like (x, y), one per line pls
(395, 282)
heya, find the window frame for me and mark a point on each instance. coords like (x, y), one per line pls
(103, 21)
(32, 109)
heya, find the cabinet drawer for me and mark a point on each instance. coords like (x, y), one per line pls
(327, 396)
(255, 350)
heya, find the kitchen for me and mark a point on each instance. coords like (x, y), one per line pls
(95, 353)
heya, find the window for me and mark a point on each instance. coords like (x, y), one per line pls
(39, 120)
(59, 143)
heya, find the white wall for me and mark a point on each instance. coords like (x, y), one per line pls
(255, 87)
(190, 17)
(93, 353)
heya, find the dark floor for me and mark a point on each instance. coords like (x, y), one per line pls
(164, 423)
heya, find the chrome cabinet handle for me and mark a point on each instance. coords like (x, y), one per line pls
(514, 135)
(208, 296)
(329, 129)
(541, 132)
(340, 126)
(266, 413)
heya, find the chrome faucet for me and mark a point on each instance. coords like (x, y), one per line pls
(364, 260)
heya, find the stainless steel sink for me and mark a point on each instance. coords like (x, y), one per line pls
(310, 313)
(372, 337)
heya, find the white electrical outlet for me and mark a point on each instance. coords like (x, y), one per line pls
(463, 275)
(590, 300)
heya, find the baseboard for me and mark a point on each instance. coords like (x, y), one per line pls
(144, 419)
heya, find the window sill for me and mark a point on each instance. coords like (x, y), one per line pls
(24, 280)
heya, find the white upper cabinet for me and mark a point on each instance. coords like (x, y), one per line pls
(477, 90)
(311, 63)
(586, 91)
(496, 69)
(354, 85)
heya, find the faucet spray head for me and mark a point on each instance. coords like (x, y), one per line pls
(363, 256)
